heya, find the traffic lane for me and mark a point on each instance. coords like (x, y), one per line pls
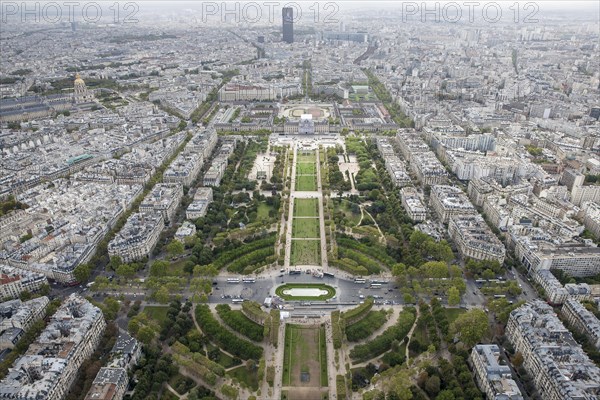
(528, 292)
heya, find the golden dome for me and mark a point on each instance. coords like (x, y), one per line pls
(78, 79)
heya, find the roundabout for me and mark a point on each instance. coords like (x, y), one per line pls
(305, 291)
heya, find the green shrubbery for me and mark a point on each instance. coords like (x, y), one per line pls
(237, 321)
(225, 339)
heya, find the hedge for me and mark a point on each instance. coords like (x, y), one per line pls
(225, 339)
(237, 321)
(383, 342)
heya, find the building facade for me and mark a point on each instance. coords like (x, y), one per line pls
(558, 366)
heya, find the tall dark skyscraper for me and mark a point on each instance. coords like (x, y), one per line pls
(287, 15)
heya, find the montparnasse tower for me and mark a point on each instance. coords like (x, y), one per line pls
(81, 93)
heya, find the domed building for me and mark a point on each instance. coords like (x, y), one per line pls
(81, 93)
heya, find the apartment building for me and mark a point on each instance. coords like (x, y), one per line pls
(138, 237)
(559, 368)
(109, 384)
(199, 205)
(492, 375)
(474, 239)
(591, 220)
(415, 209)
(428, 169)
(448, 201)
(582, 320)
(16, 317)
(184, 169)
(52, 362)
(164, 199)
(14, 281)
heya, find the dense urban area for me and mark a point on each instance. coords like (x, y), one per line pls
(336, 201)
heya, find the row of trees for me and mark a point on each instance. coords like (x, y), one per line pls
(350, 266)
(393, 108)
(357, 313)
(225, 339)
(337, 182)
(237, 321)
(372, 267)
(229, 256)
(366, 326)
(337, 331)
(383, 342)
(198, 358)
(252, 261)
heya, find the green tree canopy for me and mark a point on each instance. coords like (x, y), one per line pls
(471, 326)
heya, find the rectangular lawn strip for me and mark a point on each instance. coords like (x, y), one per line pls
(323, 356)
(305, 169)
(305, 228)
(306, 252)
(304, 354)
(306, 183)
(306, 208)
(306, 157)
(287, 357)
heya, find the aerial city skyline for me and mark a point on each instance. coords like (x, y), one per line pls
(299, 200)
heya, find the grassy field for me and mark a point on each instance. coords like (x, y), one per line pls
(280, 289)
(306, 183)
(305, 228)
(420, 332)
(350, 218)
(304, 356)
(262, 212)
(453, 313)
(225, 360)
(306, 169)
(306, 208)
(157, 313)
(306, 252)
(246, 376)
(306, 157)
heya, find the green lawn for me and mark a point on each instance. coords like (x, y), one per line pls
(262, 212)
(305, 351)
(306, 208)
(306, 157)
(323, 355)
(167, 395)
(225, 360)
(306, 252)
(420, 332)
(305, 228)
(306, 169)
(453, 313)
(176, 267)
(244, 375)
(157, 313)
(350, 218)
(306, 183)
